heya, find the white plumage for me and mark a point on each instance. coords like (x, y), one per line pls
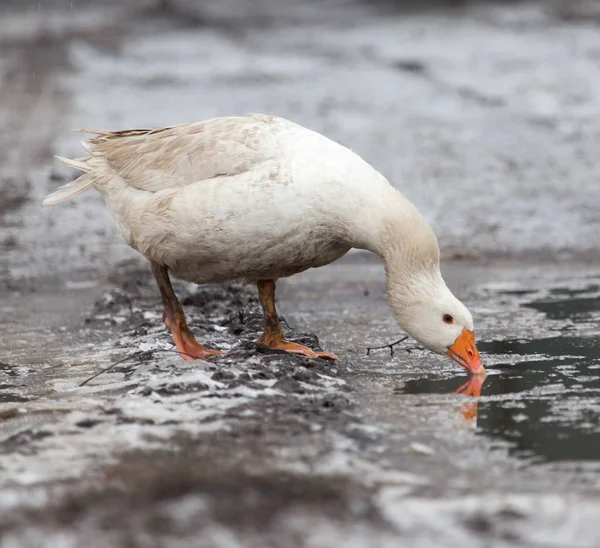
(259, 198)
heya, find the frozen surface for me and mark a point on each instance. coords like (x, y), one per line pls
(485, 116)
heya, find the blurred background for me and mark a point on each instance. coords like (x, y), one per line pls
(485, 114)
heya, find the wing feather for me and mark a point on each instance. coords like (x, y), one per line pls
(176, 156)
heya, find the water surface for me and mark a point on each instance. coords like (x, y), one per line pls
(546, 403)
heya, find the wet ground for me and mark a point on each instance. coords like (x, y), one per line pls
(253, 446)
(495, 138)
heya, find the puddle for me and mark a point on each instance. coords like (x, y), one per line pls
(568, 308)
(542, 396)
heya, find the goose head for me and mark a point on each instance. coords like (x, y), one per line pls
(435, 318)
(420, 300)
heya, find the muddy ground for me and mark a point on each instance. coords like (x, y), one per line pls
(484, 114)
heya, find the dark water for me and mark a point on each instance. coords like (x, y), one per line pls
(547, 405)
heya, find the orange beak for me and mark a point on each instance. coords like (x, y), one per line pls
(464, 352)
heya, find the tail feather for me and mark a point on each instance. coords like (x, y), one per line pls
(76, 163)
(74, 188)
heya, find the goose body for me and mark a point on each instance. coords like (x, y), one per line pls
(258, 198)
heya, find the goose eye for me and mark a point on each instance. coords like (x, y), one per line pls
(447, 318)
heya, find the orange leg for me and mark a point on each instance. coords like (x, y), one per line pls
(174, 319)
(273, 335)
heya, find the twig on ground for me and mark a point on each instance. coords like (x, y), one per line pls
(143, 355)
(390, 346)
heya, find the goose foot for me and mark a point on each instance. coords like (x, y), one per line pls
(273, 334)
(185, 342)
(174, 319)
(295, 348)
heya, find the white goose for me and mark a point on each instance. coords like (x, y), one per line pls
(258, 198)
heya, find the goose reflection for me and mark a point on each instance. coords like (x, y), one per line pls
(471, 388)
